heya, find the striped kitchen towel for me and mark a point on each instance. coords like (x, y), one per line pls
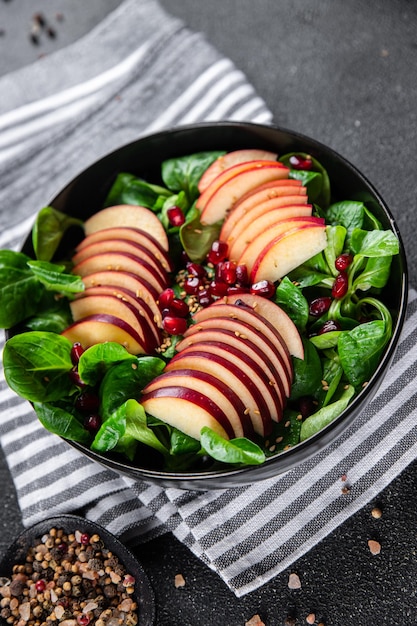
(58, 116)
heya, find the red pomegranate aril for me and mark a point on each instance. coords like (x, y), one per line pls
(83, 619)
(76, 352)
(340, 285)
(87, 402)
(218, 252)
(328, 327)
(234, 290)
(195, 269)
(263, 288)
(175, 216)
(319, 306)
(242, 276)
(204, 297)
(85, 539)
(227, 272)
(63, 547)
(343, 261)
(92, 423)
(192, 285)
(178, 308)
(166, 297)
(306, 406)
(218, 288)
(40, 585)
(174, 325)
(76, 378)
(300, 162)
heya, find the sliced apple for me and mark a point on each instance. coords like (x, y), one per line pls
(258, 221)
(128, 215)
(232, 158)
(121, 262)
(101, 328)
(188, 410)
(263, 240)
(288, 251)
(275, 315)
(126, 280)
(141, 307)
(120, 245)
(214, 204)
(262, 195)
(210, 386)
(134, 235)
(237, 378)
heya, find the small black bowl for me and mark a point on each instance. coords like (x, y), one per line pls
(86, 193)
(143, 594)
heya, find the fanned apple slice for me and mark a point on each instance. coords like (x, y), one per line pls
(120, 245)
(186, 409)
(263, 195)
(121, 262)
(210, 386)
(237, 378)
(126, 280)
(288, 251)
(263, 240)
(128, 215)
(274, 314)
(101, 328)
(214, 204)
(258, 221)
(134, 235)
(232, 158)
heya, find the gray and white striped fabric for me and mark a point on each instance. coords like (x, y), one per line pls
(140, 71)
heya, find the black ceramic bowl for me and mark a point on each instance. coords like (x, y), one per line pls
(86, 193)
(143, 594)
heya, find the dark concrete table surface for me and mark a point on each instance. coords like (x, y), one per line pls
(344, 73)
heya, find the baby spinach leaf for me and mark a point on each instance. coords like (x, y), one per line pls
(97, 359)
(374, 243)
(360, 350)
(36, 366)
(129, 189)
(326, 340)
(197, 238)
(182, 443)
(292, 300)
(307, 372)
(239, 451)
(184, 173)
(54, 278)
(53, 314)
(332, 375)
(326, 415)
(375, 274)
(303, 276)
(60, 422)
(20, 291)
(336, 236)
(347, 213)
(48, 230)
(286, 433)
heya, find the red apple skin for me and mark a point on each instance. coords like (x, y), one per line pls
(101, 328)
(273, 399)
(233, 376)
(275, 315)
(142, 308)
(126, 280)
(307, 240)
(228, 338)
(212, 387)
(229, 159)
(121, 262)
(127, 215)
(135, 235)
(274, 354)
(186, 409)
(120, 245)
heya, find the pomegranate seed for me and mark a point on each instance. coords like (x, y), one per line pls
(85, 539)
(263, 288)
(306, 406)
(218, 288)
(166, 297)
(175, 216)
(233, 290)
(195, 269)
(76, 352)
(179, 308)
(218, 252)
(299, 162)
(63, 547)
(192, 285)
(174, 325)
(320, 306)
(242, 275)
(87, 402)
(328, 327)
(128, 581)
(204, 297)
(92, 423)
(83, 619)
(75, 377)
(340, 285)
(227, 272)
(40, 585)
(343, 261)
